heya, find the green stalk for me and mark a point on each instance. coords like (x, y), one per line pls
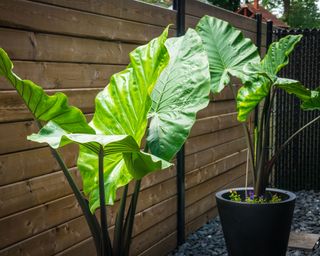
(248, 139)
(90, 218)
(262, 171)
(106, 243)
(260, 135)
(262, 178)
(128, 225)
(282, 147)
(117, 242)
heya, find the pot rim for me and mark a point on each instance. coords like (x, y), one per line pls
(291, 195)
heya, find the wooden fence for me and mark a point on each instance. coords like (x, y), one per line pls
(74, 46)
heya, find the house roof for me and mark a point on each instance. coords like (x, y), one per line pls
(249, 10)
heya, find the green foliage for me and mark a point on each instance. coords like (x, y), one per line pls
(234, 196)
(41, 105)
(261, 77)
(228, 51)
(182, 89)
(250, 198)
(122, 110)
(230, 54)
(313, 103)
(296, 13)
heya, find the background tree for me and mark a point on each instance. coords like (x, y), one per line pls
(296, 13)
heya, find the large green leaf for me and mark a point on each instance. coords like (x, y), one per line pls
(43, 106)
(123, 146)
(278, 53)
(313, 102)
(293, 87)
(228, 51)
(182, 90)
(121, 109)
(261, 77)
(57, 137)
(250, 95)
(149, 60)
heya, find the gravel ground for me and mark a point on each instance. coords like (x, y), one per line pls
(208, 240)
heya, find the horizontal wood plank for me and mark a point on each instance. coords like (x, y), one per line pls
(52, 241)
(31, 163)
(162, 247)
(124, 9)
(28, 45)
(84, 248)
(213, 124)
(26, 224)
(154, 234)
(17, 132)
(217, 108)
(203, 174)
(58, 20)
(51, 75)
(26, 194)
(194, 194)
(202, 142)
(27, 164)
(12, 107)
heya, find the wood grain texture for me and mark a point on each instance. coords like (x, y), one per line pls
(217, 108)
(18, 131)
(124, 9)
(75, 46)
(58, 20)
(26, 194)
(32, 163)
(51, 75)
(29, 45)
(202, 142)
(12, 107)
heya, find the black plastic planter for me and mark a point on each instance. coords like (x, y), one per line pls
(256, 229)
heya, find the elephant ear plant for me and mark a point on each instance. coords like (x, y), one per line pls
(165, 84)
(230, 54)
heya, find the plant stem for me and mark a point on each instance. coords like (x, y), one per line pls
(248, 139)
(262, 178)
(128, 226)
(106, 243)
(282, 147)
(90, 218)
(117, 242)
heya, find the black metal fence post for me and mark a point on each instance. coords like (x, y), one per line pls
(269, 39)
(258, 44)
(179, 5)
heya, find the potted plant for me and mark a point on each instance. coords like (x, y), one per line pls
(255, 221)
(157, 96)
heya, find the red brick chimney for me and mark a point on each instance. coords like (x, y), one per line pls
(256, 4)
